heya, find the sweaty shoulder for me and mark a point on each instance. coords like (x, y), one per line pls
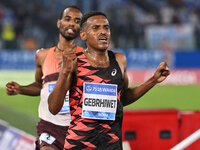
(121, 59)
(41, 55)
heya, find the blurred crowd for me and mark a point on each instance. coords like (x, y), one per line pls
(31, 24)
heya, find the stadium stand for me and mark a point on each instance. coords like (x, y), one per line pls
(130, 17)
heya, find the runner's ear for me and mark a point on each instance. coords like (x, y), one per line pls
(58, 23)
(83, 35)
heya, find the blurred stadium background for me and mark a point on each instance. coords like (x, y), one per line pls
(146, 31)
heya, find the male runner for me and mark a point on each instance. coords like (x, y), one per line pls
(101, 90)
(51, 130)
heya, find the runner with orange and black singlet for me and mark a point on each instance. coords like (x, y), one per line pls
(101, 90)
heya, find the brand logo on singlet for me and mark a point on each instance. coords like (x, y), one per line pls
(114, 72)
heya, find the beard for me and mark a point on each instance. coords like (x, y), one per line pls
(68, 37)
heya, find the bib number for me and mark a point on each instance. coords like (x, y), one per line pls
(65, 109)
(99, 101)
(46, 138)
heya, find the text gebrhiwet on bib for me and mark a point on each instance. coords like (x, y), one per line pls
(99, 101)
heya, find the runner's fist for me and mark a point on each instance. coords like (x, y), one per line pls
(12, 88)
(162, 72)
(69, 62)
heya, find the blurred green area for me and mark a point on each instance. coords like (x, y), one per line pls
(19, 111)
(169, 96)
(22, 111)
(21, 76)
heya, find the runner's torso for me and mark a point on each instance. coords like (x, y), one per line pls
(96, 97)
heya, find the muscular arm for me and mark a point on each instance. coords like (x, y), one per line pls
(133, 94)
(33, 89)
(63, 84)
(57, 96)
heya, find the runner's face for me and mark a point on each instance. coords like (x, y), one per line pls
(97, 32)
(69, 25)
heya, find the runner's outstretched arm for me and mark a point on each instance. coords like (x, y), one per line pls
(33, 89)
(160, 75)
(133, 94)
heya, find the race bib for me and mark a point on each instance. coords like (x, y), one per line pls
(99, 101)
(46, 138)
(65, 109)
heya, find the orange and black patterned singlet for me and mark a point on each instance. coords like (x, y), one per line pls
(92, 133)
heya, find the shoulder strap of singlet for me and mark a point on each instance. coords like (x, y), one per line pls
(50, 52)
(49, 55)
(111, 56)
(48, 68)
(79, 49)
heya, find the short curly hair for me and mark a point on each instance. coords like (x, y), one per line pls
(90, 14)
